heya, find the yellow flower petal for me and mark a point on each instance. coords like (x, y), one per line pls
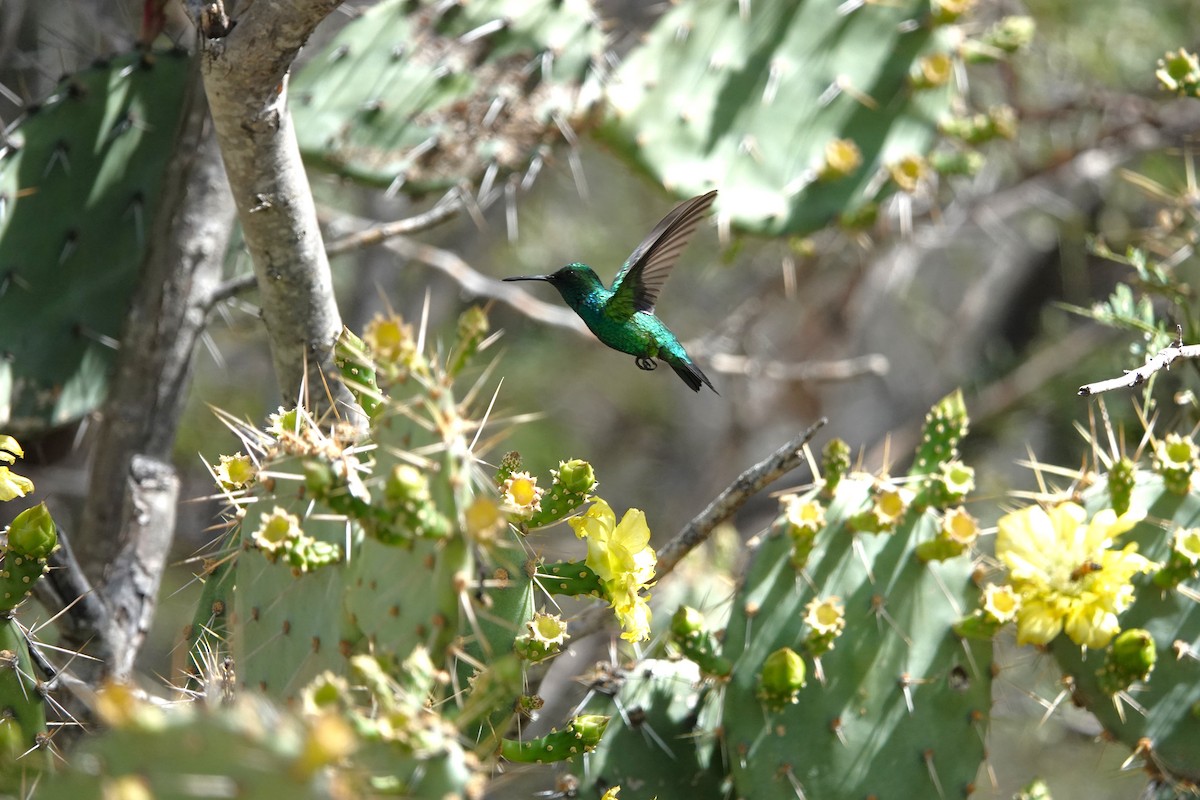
(1066, 573)
(13, 485)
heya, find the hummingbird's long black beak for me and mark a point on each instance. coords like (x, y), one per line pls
(529, 278)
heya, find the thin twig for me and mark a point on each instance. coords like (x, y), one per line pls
(1136, 377)
(228, 290)
(726, 504)
(804, 371)
(481, 285)
(378, 234)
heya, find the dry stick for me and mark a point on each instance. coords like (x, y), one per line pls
(1136, 377)
(381, 232)
(726, 504)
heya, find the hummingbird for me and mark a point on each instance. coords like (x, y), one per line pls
(623, 317)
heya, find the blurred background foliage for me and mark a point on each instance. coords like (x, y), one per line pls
(985, 293)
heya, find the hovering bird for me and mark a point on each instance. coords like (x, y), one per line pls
(623, 317)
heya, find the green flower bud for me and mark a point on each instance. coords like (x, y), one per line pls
(33, 532)
(783, 676)
(577, 476)
(1130, 658)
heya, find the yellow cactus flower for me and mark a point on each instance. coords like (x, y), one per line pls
(234, 472)
(841, 157)
(891, 503)
(548, 629)
(826, 617)
(483, 520)
(803, 515)
(621, 557)
(1066, 572)
(13, 485)
(10, 449)
(1000, 602)
(521, 494)
(908, 172)
(959, 526)
(1186, 543)
(277, 529)
(394, 347)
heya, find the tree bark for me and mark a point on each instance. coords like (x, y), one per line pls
(245, 64)
(128, 524)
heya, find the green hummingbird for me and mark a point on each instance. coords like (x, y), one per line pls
(623, 317)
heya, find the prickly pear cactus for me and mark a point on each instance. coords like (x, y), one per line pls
(850, 680)
(250, 747)
(1109, 582)
(426, 95)
(78, 182)
(799, 112)
(668, 715)
(392, 562)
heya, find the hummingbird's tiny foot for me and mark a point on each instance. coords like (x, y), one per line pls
(646, 363)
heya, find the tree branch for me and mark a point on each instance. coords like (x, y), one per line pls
(726, 504)
(128, 521)
(1136, 377)
(245, 64)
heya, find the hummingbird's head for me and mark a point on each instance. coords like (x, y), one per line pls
(573, 280)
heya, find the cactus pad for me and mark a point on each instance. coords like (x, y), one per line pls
(78, 186)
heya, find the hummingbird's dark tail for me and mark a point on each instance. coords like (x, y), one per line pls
(689, 372)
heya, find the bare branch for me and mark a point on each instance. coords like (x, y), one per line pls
(481, 285)
(803, 372)
(726, 504)
(1136, 377)
(378, 234)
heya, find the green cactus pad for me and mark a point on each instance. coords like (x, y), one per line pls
(793, 110)
(581, 735)
(570, 487)
(78, 193)
(1167, 730)
(660, 741)
(31, 537)
(429, 94)
(22, 708)
(405, 596)
(288, 623)
(354, 361)
(899, 700)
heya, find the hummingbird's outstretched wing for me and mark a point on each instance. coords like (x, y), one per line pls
(639, 282)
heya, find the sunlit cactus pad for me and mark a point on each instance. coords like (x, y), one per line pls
(903, 701)
(794, 110)
(79, 181)
(427, 94)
